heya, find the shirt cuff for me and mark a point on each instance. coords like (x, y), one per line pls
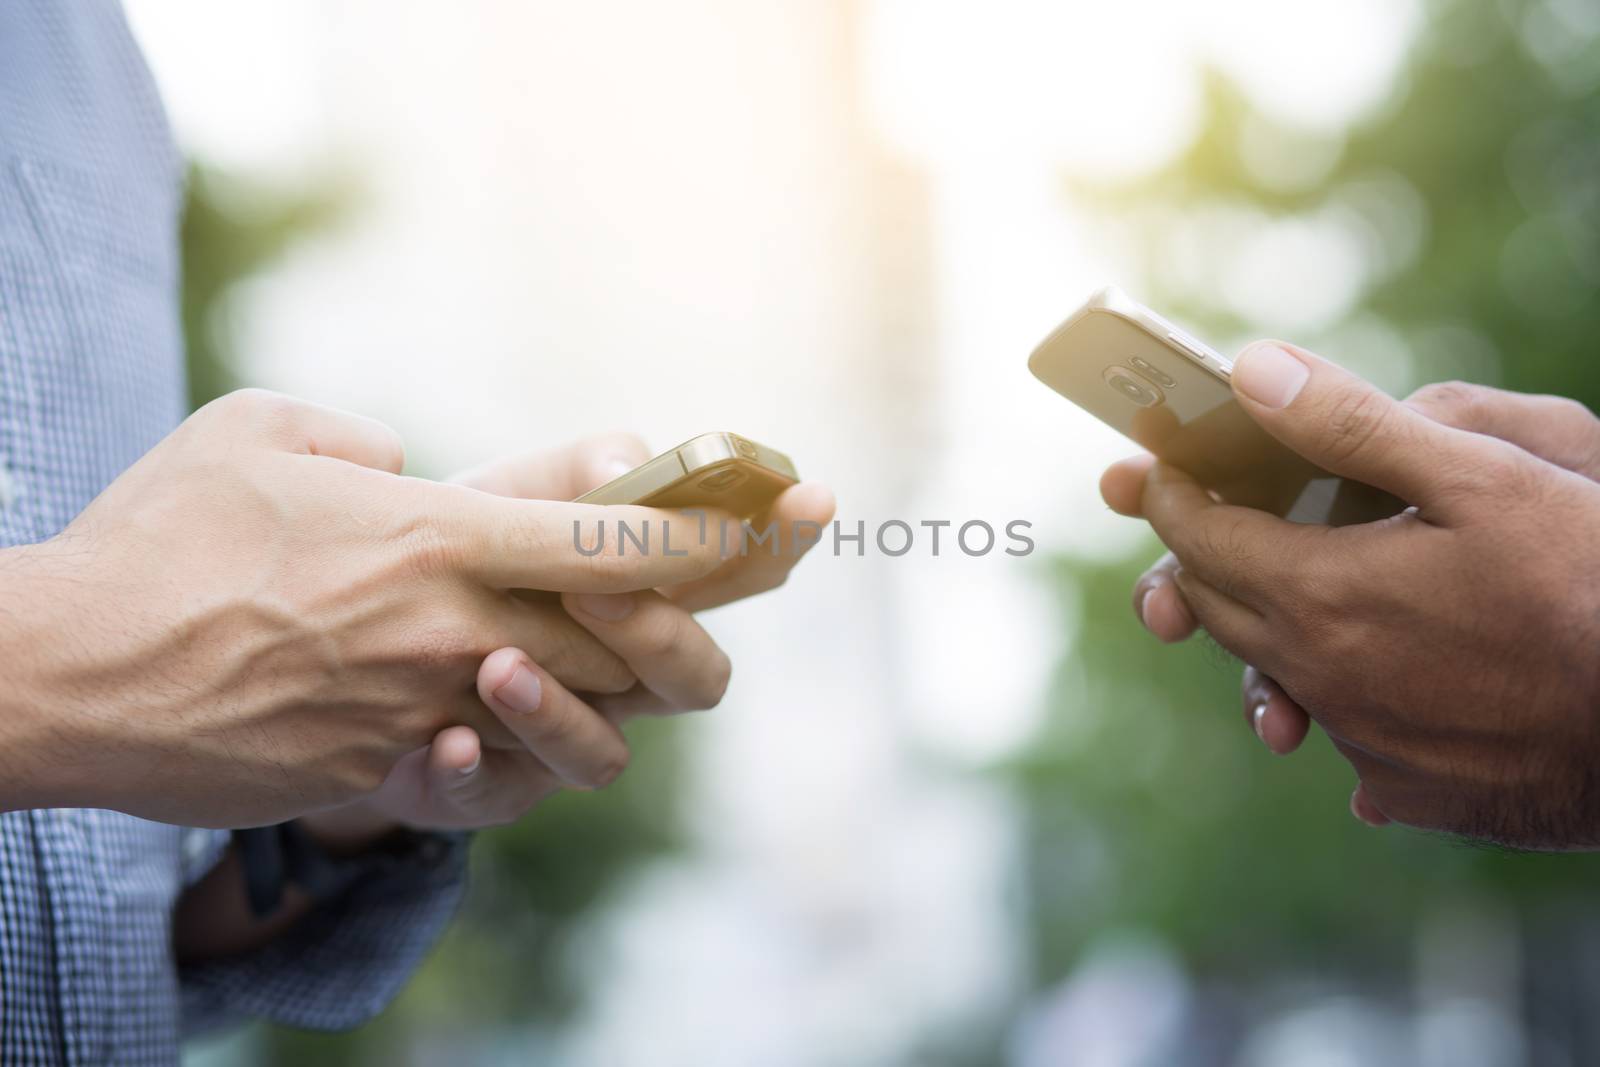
(343, 962)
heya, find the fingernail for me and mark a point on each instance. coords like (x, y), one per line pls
(1361, 816)
(1257, 717)
(612, 607)
(1144, 607)
(472, 767)
(615, 467)
(521, 692)
(1269, 375)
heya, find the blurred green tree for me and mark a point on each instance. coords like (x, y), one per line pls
(1150, 806)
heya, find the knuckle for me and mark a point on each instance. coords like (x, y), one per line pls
(610, 569)
(261, 409)
(425, 549)
(604, 672)
(1357, 421)
(1498, 470)
(661, 635)
(1580, 431)
(1453, 402)
(582, 662)
(1568, 409)
(1224, 542)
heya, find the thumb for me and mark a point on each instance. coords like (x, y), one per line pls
(1350, 427)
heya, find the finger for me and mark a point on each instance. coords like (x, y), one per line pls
(315, 430)
(576, 742)
(576, 548)
(636, 703)
(1235, 626)
(1279, 722)
(1351, 428)
(796, 521)
(1247, 553)
(453, 755)
(559, 644)
(564, 473)
(1123, 483)
(1554, 428)
(493, 788)
(662, 644)
(1160, 605)
(471, 713)
(1363, 808)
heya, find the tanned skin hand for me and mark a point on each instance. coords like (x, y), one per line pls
(1447, 651)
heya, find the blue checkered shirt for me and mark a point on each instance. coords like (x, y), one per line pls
(91, 377)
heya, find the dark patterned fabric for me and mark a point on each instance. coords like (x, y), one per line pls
(90, 378)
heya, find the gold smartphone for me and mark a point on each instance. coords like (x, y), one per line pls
(1143, 376)
(714, 470)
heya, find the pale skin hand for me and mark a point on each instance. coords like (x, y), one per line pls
(261, 617)
(457, 783)
(1444, 651)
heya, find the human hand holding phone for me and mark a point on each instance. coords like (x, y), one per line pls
(458, 782)
(1555, 429)
(1443, 650)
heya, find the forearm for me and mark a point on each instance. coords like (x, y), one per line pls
(46, 748)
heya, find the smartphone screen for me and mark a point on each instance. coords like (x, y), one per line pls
(1170, 394)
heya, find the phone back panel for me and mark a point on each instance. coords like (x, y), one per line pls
(1140, 380)
(714, 470)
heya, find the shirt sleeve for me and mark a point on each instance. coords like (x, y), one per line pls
(347, 959)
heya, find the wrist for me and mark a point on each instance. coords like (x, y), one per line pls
(47, 749)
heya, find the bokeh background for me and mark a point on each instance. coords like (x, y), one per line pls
(953, 811)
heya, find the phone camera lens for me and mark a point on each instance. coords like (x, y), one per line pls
(1132, 387)
(1154, 373)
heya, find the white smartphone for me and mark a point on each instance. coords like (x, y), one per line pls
(1169, 392)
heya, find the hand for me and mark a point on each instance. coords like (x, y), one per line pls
(1555, 429)
(260, 618)
(679, 666)
(1442, 650)
(455, 783)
